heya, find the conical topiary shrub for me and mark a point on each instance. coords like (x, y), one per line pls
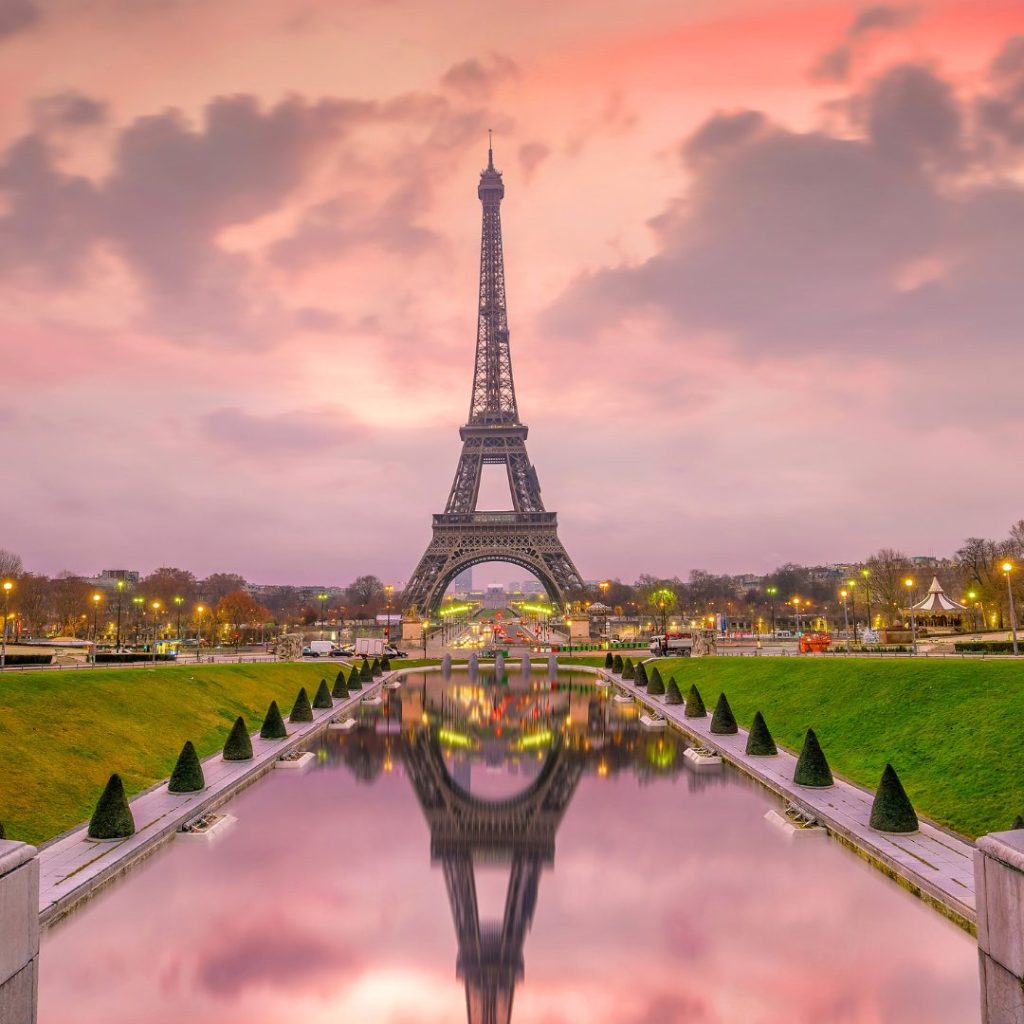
(323, 696)
(355, 679)
(672, 694)
(375, 668)
(238, 746)
(695, 704)
(273, 727)
(759, 739)
(812, 767)
(656, 686)
(640, 674)
(187, 776)
(365, 672)
(617, 664)
(1018, 822)
(301, 710)
(340, 691)
(112, 818)
(627, 669)
(892, 810)
(723, 721)
(3, 831)
(609, 661)
(385, 664)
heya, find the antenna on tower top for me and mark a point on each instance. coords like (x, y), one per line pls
(490, 150)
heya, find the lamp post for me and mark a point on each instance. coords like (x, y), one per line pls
(909, 584)
(771, 592)
(139, 603)
(199, 631)
(796, 605)
(389, 590)
(867, 594)
(8, 587)
(568, 633)
(426, 622)
(846, 617)
(120, 594)
(1007, 568)
(603, 587)
(152, 646)
(96, 598)
(322, 598)
(976, 614)
(851, 585)
(178, 601)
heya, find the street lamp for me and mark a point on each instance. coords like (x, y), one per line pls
(867, 594)
(568, 633)
(851, 584)
(388, 589)
(1007, 568)
(156, 612)
(199, 630)
(179, 601)
(8, 587)
(846, 617)
(322, 598)
(909, 584)
(771, 592)
(139, 603)
(120, 594)
(426, 622)
(96, 598)
(603, 587)
(978, 613)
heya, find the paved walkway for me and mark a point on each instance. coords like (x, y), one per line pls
(74, 867)
(932, 864)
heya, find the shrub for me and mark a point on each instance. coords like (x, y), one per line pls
(656, 687)
(112, 818)
(365, 672)
(273, 727)
(640, 674)
(723, 721)
(984, 647)
(1018, 822)
(812, 767)
(355, 679)
(301, 710)
(627, 669)
(187, 776)
(672, 694)
(695, 704)
(759, 739)
(238, 746)
(375, 669)
(617, 664)
(340, 691)
(609, 661)
(385, 664)
(3, 831)
(892, 810)
(323, 696)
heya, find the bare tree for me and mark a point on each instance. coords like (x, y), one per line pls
(888, 569)
(10, 564)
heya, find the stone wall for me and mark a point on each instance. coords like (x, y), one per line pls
(19, 932)
(999, 891)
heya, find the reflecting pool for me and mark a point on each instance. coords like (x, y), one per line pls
(520, 851)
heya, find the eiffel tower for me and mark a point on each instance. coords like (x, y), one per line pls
(464, 830)
(527, 535)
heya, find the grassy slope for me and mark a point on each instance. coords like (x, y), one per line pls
(952, 729)
(63, 733)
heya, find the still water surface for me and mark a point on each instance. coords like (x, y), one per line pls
(469, 845)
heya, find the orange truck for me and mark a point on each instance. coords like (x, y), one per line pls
(816, 643)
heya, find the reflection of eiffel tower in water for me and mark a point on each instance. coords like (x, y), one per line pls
(465, 829)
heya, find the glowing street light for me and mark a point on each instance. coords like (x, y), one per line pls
(979, 612)
(322, 598)
(178, 601)
(8, 587)
(909, 584)
(771, 592)
(389, 590)
(96, 598)
(866, 573)
(199, 630)
(1007, 568)
(844, 594)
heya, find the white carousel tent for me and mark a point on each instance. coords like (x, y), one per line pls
(936, 601)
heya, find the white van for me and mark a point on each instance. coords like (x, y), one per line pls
(317, 648)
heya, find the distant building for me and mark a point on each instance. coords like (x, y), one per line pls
(109, 579)
(463, 583)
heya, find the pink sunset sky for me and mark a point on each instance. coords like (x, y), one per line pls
(765, 270)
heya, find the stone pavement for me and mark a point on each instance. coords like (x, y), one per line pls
(932, 864)
(74, 867)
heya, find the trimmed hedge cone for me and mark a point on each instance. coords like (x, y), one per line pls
(301, 710)
(627, 669)
(723, 721)
(1018, 822)
(375, 669)
(355, 680)
(609, 661)
(3, 831)
(892, 810)
(617, 664)
(640, 675)
(273, 727)
(323, 696)
(187, 776)
(759, 739)
(812, 766)
(695, 704)
(365, 672)
(238, 746)
(672, 694)
(656, 687)
(112, 818)
(340, 691)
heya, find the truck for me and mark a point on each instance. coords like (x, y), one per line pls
(316, 648)
(369, 647)
(678, 644)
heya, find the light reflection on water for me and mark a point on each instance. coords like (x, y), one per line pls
(548, 850)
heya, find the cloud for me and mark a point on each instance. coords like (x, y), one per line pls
(69, 109)
(531, 156)
(18, 16)
(1001, 110)
(475, 79)
(250, 435)
(836, 64)
(791, 241)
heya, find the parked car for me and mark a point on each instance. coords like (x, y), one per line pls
(394, 652)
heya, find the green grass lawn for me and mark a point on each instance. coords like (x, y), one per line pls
(63, 733)
(952, 729)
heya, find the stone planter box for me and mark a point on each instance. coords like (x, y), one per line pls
(623, 698)
(793, 829)
(373, 699)
(702, 760)
(209, 827)
(343, 726)
(649, 721)
(392, 684)
(300, 763)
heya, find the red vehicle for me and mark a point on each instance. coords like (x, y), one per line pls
(816, 643)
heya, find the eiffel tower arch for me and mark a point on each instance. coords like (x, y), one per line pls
(464, 829)
(463, 536)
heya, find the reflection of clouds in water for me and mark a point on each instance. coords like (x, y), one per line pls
(664, 904)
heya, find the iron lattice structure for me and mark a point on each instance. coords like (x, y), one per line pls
(464, 830)
(493, 435)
